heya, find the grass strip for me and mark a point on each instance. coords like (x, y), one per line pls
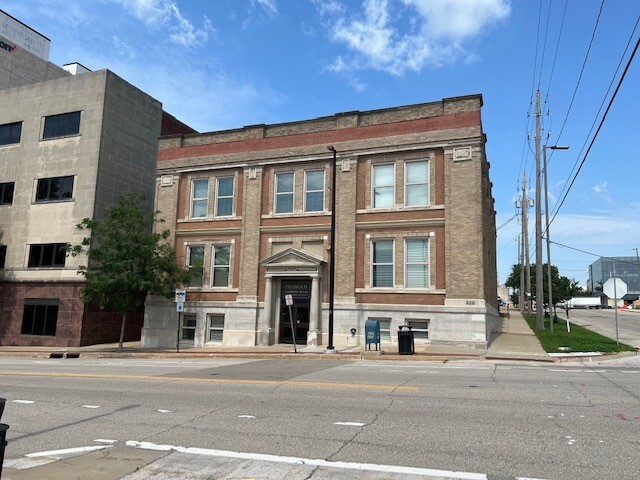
(579, 339)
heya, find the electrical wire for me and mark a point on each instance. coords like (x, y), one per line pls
(604, 116)
(555, 55)
(592, 254)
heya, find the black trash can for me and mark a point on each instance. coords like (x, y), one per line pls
(3, 443)
(2, 402)
(406, 345)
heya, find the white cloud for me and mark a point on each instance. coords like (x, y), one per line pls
(268, 6)
(166, 12)
(602, 190)
(394, 37)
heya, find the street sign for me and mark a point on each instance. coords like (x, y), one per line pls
(615, 288)
(179, 307)
(288, 299)
(181, 295)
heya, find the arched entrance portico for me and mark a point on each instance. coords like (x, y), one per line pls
(296, 273)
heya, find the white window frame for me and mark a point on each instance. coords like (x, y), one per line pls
(195, 199)
(306, 190)
(218, 196)
(427, 263)
(276, 193)
(419, 333)
(217, 329)
(374, 187)
(408, 184)
(185, 328)
(393, 263)
(214, 266)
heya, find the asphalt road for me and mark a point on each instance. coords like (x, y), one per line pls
(604, 323)
(547, 421)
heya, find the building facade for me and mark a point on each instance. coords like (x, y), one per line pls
(250, 210)
(70, 146)
(625, 268)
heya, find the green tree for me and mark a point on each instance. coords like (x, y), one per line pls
(127, 259)
(562, 288)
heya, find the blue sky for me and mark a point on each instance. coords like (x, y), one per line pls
(228, 63)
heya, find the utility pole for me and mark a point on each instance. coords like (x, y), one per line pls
(521, 261)
(525, 244)
(539, 285)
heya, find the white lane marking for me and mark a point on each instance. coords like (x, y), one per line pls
(105, 440)
(351, 424)
(246, 416)
(165, 411)
(53, 453)
(311, 461)
(22, 401)
(90, 406)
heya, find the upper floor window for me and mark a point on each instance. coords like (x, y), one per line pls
(417, 263)
(221, 265)
(6, 193)
(199, 198)
(417, 183)
(284, 193)
(196, 263)
(383, 186)
(382, 263)
(10, 133)
(224, 196)
(314, 191)
(61, 125)
(54, 189)
(47, 255)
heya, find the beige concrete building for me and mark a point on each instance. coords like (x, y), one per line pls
(415, 229)
(70, 146)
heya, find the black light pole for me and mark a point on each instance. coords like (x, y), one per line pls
(332, 251)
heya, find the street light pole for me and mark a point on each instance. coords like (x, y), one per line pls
(332, 252)
(546, 210)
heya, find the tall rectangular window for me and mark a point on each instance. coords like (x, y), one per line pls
(417, 183)
(10, 133)
(382, 263)
(221, 265)
(383, 186)
(224, 197)
(417, 263)
(6, 193)
(314, 191)
(47, 255)
(40, 316)
(54, 189)
(196, 264)
(216, 327)
(61, 125)
(189, 321)
(284, 193)
(199, 198)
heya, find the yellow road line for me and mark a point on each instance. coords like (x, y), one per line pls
(289, 383)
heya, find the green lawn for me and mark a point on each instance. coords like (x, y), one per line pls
(579, 339)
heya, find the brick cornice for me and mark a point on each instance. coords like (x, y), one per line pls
(442, 122)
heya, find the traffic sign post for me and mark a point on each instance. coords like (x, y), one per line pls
(288, 300)
(615, 288)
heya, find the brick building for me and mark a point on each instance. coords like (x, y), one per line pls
(415, 228)
(71, 143)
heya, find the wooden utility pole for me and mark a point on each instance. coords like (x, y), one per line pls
(539, 284)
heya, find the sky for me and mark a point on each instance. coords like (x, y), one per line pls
(223, 64)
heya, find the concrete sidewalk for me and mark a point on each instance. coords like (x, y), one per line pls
(513, 340)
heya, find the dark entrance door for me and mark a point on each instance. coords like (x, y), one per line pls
(300, 290)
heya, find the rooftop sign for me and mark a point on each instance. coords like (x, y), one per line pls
(23, 36)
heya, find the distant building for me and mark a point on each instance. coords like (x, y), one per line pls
(415, 228)
(625, 268)
(70, 146)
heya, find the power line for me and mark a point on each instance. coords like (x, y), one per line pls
(544, 43)
(584, 63)
(507, 222)
(555, 55)
(613, 97)
(615, 259)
